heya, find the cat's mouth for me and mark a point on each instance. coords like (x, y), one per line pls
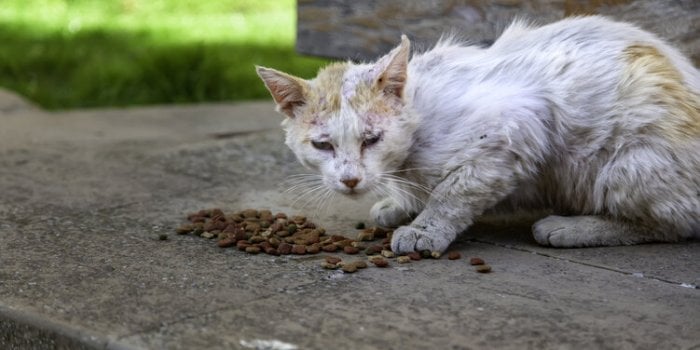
(353, 192)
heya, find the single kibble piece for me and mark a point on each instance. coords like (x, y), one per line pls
(272, 251)
(284, 248)
(373, 250)
(333, 259)
(298, 219)
(360, 225)
(275, 242)
(198, 219)
(291, 228)
(330, 248)
(425, 254)
(379, 262)
(184, 229)
(414, 256)
(226, 242)
(476, 261)
(252, 250)
(380, 232)
(403, 259)
(257, 239)
(163, 237)
(242, 245)
(313, 249)
(198, 229)
(454, 255)
(350, 250)
(359, 245)
(483, 268)
(435, 255)
(365, 236)
(240, 235)
(349, 268)
(344, 243)
(250, 213)
(387, 253)
(329, 266)
(299, 249)
(360, 264)
(252, 227)
(265, 214)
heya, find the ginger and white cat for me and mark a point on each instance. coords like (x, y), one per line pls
(594, 119)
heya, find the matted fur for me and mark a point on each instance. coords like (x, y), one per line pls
(595, 119)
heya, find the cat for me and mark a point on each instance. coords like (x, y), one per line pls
(595, 119)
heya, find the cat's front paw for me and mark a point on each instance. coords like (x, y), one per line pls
(388, 213)
(406, 239)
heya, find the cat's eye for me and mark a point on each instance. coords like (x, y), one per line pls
(321, 145)
(370, 140)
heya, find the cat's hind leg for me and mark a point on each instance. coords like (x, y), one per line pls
(595, 231)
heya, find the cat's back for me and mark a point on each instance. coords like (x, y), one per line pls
(594, 44)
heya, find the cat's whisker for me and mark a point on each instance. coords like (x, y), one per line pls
(408, 183)
(319, 192)
(403, 196)
(310, 193)
(410, 186)
(302, 181)
(410, 195)
(304, 175)
(328, 198)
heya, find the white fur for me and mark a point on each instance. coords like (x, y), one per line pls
(547, 100)
(534, 121)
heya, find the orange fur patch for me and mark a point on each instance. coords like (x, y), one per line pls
(651, 77)
(323, 98)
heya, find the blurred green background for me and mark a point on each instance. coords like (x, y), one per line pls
(91, 53)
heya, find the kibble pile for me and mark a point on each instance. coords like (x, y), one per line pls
(261, 231)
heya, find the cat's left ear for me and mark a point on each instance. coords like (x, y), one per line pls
(393, 69)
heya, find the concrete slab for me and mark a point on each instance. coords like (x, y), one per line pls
(675, 263)
(86, 193)
(528, 302)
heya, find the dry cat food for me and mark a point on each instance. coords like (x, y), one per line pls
(480, 264)
(453, 255)
(476, 261)
(403, 259)
(260, 231)
(483, 268)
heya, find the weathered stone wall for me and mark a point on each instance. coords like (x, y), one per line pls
(364, 29)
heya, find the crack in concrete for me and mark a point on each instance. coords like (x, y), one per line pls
(231, 134)
(608, 268)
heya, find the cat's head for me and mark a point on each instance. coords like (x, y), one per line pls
(351, 122)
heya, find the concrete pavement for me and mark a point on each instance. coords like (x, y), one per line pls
(85, 194)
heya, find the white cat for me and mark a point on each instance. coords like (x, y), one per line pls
(595, 119)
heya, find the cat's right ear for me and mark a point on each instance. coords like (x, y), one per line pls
(289, 92)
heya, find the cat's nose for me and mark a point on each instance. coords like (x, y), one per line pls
(351, 182)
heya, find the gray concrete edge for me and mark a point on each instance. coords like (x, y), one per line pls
(27, 330)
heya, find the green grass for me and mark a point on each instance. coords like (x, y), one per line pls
(92, 53)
